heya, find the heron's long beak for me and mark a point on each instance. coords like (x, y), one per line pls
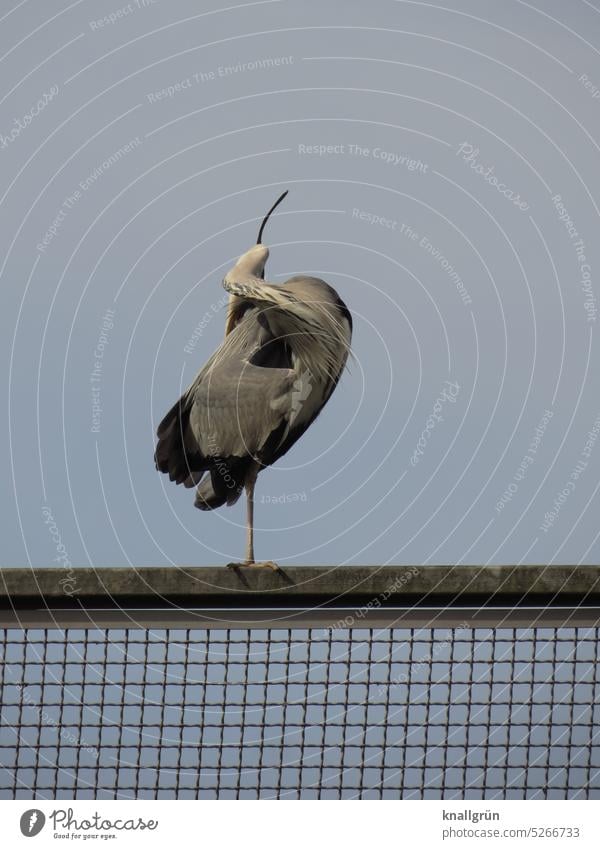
(248, 274)
(268, 215)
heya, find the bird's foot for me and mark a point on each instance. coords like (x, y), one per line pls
(251, 564)
(241, 570)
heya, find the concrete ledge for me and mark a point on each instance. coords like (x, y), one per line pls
(313, 596)
(214, 586)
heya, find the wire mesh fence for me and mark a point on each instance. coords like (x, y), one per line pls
(378, 713)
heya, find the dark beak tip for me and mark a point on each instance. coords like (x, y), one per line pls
(268, 215)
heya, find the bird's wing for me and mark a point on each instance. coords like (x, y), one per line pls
(233, 408)
(235, 405)
(239, 407)
(300, 424)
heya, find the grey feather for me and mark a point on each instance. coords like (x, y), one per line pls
(285, 349)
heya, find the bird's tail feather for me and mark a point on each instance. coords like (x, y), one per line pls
(218, 489)
(227, 475)
(170, 456)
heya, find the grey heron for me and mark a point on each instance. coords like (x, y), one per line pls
(285, 348)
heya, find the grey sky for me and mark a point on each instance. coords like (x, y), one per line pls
(442, 168)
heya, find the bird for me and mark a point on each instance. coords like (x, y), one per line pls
(285, 348)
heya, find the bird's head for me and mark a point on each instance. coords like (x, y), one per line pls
(252, 262)
(250, 267)
(304, 311)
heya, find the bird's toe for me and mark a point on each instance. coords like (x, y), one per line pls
(268, 564)
(251, 564)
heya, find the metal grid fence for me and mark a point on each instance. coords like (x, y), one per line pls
(378, 713)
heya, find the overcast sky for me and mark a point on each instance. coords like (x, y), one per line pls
(442, 167)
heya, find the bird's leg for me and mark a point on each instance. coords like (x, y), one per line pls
(250, 484)
(250, 561)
